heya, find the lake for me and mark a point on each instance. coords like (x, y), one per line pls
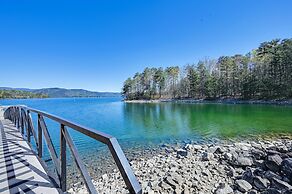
(143, 124)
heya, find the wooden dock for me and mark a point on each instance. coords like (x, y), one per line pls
(21, 171)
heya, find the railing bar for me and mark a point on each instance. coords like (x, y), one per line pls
(115, 149)
(63, 158)
(40, 138)
(51, 148)
(100, 136)
(88, 182)
(32, 129)
(124, 167)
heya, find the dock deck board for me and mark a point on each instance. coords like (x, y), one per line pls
(20, 169)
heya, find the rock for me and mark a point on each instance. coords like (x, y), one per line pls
(261, 183)
(170, 181)
(248, 175)
(244, 161)
(104, 177)
(215, 149)
(207, 156)
(223, 189)
(188, 147)
(228, 156)
(282, 185)
(252, 192)
(197, 147)
(271, 191)
(243, 185)
(270, 175)
(259, 154)
(273, 163)
(182, 152)
(286, 167)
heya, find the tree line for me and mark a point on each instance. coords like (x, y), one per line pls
(20, 94)
(263, 73)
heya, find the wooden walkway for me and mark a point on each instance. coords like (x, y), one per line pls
(20, 169)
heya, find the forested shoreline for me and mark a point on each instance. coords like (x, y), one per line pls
(18, 94)
(264, 73)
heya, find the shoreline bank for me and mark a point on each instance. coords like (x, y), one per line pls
(219, 101)
(228, 166)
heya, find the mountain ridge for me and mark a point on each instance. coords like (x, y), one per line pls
(56, 92)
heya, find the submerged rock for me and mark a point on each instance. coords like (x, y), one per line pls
(182, 152)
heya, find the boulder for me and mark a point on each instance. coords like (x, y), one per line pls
(243, 185)
(273, 162)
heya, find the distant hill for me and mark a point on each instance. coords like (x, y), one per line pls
(65, 93)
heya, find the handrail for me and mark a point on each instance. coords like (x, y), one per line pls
(21, 117)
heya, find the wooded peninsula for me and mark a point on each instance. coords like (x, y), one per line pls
(18, 94)
(264, 73)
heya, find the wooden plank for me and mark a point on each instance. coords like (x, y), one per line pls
(20, 172)
(84, 173)
(63, 159)
(51, 148)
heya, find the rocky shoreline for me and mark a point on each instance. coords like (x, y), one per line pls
(217, 101)
(245, 166)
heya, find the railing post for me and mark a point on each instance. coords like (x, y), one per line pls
(28, 126)
(23, 121)
(40, 138)
(63, 161)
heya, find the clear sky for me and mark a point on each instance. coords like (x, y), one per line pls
(96, 45)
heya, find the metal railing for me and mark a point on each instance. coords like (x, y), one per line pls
(21, 117)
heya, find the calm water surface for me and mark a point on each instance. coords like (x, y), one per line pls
(145, 124)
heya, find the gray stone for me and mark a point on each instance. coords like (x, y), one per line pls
(272, 191)
(248, 175)
(282, 185)
(207, 156)
(261, 183)
(273, 163)
(244, 161)
(228, 156)
(253, 191)
(286, 167)
(243, 185)
(270, 175)
(170, 181)
(223, 189)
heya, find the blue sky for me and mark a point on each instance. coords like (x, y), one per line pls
(96, 45)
